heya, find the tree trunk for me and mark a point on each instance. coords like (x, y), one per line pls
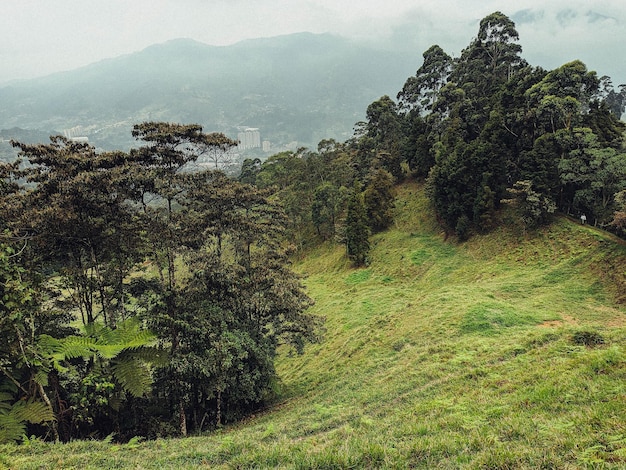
(218, 414)
(183, 419)
(44, 396)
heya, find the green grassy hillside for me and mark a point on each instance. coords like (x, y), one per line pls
(507, 351)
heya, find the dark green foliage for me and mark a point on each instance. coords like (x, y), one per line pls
(144, 252)
(540, 165)
(311, 187)
(138, 246)
(614, 100)
(619, 216)
(420, 91)
(591, 174)
(76, 217)
(356, 228)
(382, 140)
(588, 338)
(327, 199)
(378, 198)
(461, 193)
(488, 120)
(419, 143)
(14, 416)
(249, 170)
(531, 208)
(22, 398)
(605, 125)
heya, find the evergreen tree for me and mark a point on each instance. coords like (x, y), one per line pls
(379, 199)
(356, 228)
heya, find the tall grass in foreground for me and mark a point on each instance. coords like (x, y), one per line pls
(507, 351)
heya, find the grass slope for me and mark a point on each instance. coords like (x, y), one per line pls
(507, 351)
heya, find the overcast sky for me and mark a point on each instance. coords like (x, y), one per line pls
(38, 37)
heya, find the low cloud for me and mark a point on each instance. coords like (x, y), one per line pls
(42, 37)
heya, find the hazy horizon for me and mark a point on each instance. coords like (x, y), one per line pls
(41, 38)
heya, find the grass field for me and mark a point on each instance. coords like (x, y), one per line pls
(507, 351)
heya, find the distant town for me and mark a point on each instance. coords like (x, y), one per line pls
(250, 143)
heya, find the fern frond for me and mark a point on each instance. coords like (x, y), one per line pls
(128, 335)
(154, 356)
(11, 428)
(94, 329)
(32, 411)
(73, 347)
(109, 351)
(41, 377)
(5, 401)
(131, 335)
(139, 339)
(70, 347)
(47, 344)
(7, 386)
(133, 375)
(13, 418)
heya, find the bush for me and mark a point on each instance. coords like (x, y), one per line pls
(587, 338)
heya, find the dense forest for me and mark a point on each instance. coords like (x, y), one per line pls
(142, 297)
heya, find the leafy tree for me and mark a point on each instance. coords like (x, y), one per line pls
(23, 398)
(76, 217)
(619, 216)
(334, 163)
(214, 147)
(615, 100)
(419, 144)
(238, 304)
(198, 257)
(382, 142)
(379, 200)
(466, 186)
(490, 60)
(540, 165)
(498, 38)
(161, 184)
(594, 174)
(605, 125)
(420, 91)
(81, 230)
(326, 205)
(563, 95)
(532, 208)
(249, 170)
(356, 228)
(382, 122)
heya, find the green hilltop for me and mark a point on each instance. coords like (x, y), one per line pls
(505, 351)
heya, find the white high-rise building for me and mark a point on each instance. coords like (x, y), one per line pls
(249, 139)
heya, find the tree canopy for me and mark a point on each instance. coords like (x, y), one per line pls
(141, 296)
(133, 283)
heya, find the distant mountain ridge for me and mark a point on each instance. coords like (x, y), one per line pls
(301, 87)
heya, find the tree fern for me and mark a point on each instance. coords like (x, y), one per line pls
(70, 347)
(126, 351)
(133, 375)
(13, 417)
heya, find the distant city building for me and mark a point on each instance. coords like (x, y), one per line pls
(77, 134)
(76, 131)
(267, 146)
(249, 139)
(292, 146)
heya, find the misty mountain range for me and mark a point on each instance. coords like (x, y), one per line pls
(302, 87)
